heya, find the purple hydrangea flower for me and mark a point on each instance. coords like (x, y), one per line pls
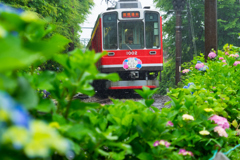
(46, 94)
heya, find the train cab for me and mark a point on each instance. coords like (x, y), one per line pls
(132, 36)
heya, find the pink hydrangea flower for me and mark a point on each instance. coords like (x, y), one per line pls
(236, 63)
(156, 143)
(234, 55)
(169, 123)
(221, 132)
(199, 65)
(221, 58)
(212, 55)
(224, 61)
(184, 152)
(185, 70)
(162, 142)
(221, 121)
(226, 53)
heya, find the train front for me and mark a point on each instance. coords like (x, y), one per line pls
(132, 37)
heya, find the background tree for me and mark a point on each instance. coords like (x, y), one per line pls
(193, 18)
(66, 15)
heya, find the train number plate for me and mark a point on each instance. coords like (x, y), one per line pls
(131, 53)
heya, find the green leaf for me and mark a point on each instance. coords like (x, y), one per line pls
(112, 77)
(145, 156)
(149, 102)
(59, 118)
(103, 122)
(46, 105)
(9, 60)
(235, 124)
(25, 94)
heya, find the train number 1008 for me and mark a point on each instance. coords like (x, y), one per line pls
(132, 53)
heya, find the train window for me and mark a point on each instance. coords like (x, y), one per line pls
(152, 30)
(131, 34)
(110, 31)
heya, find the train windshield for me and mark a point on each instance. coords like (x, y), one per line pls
(152, 30)
(110, 31)
(131, 34)
(119, 34)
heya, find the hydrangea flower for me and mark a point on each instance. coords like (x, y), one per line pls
(37, 141)
(221, 58)
(184, 152)
(169, 123)
(54, 125)
(236, 63)
(199, 65)
(185, 70)
(226, 53)
(189, 84)
(29, 16)
(5, 8)
(162, 142)
(16, 113)
(186, 87)
(204, 68)
(204, 132)
(221, 121)
(156, 143)
(221, 131)
(187, 117)
(234, 55)
(224, 61)
(212, 55)
(46, 94)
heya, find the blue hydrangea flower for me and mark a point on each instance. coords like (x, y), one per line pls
(18, 115)
(199, 62)
(5, 8)
(186, 87)
(6, 102)
(189, 84)
(204, 68)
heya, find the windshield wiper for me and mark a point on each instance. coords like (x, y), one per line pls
(129, 47)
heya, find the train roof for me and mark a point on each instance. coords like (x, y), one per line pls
(128, 5)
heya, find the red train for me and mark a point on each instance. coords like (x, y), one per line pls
(132, 36)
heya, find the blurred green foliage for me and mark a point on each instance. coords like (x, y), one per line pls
(65, 15)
